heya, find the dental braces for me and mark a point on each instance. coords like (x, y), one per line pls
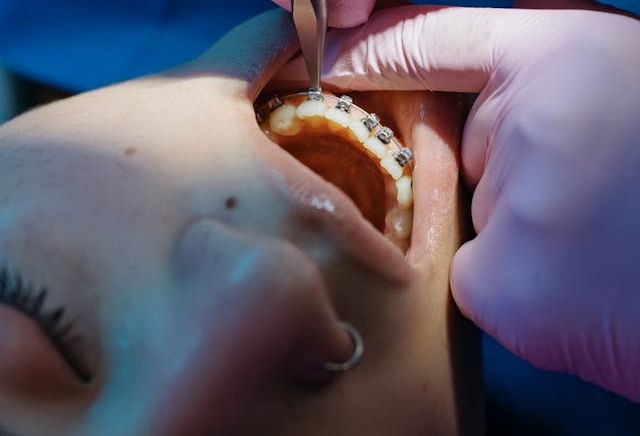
(402, 155)
(312, 110)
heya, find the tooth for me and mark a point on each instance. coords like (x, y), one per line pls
(371, 121)
(404, 192)
(338, 119)
(404, 156)
(375, 146)
(312, 111)
(274, 103)
(385, 134)
(315, 94)
(391, 166)
(283, 121)
(344, 103)
(359, 130)
(311, 108)
(399, 222)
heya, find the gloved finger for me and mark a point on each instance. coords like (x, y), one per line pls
(464, 289)
(251, 53)
(425, 47)
(342, 13)
(482, 289)
(417, 48)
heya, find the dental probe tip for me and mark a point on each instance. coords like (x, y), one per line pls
(315, 94)
(310, 20)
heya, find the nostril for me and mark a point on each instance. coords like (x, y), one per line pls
(261, 311)
(212, 255)
(269, 285)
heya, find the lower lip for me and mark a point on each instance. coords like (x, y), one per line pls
(326, 210)
(366, 186)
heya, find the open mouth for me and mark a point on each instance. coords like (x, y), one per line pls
(349, 148)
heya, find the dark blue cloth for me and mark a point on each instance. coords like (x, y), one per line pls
(80, 45)
(525, 401)
(83, 45)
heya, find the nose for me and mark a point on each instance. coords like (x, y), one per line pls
(265, 318)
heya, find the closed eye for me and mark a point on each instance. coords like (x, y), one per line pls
(30, 301)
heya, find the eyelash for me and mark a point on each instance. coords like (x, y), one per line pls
(18, 294)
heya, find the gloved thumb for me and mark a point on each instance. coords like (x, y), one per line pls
(416, 48)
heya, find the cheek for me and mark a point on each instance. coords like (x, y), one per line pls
(30, 367)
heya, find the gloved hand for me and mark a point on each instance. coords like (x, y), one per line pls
(342, 13)
(552, 148)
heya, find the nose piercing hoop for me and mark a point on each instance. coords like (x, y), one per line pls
(356, 356)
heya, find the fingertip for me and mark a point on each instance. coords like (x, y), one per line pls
(473, 287)
(341, 13)
(483, 288)
(284, 4)
(474, 296)
(349, 13)
(461, 280)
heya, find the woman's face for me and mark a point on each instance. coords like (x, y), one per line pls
(203, 270)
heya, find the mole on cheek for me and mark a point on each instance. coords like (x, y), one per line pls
(130, 151)
(231, 203)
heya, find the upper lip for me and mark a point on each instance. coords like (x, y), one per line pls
(322, 204)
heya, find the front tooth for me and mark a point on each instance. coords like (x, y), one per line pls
(403, 156)
(283, 121)
(344, 103)
(399, 222)
(385, 135)
(359, 130)
(392, 167)
(371, 121)
(312, 111)
(375, 146)
(404, 192)
(338, 119)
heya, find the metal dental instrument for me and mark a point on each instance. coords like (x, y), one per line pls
(310, 20)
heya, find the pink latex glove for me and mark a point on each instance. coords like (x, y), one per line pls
(552, 148)
(342, 13)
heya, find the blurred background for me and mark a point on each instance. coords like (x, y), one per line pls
(18, 93)
(50, 49)
(53, 49)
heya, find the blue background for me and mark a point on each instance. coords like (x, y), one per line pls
(79, 45)
(82, 45)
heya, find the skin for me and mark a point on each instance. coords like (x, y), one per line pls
(155, 213)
